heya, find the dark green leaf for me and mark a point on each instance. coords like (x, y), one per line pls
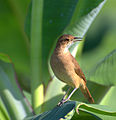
(56, 113)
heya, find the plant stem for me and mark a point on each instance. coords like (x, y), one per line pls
(36, 55)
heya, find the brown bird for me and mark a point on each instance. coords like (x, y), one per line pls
(67, 69)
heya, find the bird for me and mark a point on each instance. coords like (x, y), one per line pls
(67, 69)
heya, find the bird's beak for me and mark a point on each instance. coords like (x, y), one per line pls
(77, 39)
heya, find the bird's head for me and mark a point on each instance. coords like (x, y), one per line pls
(68, 39)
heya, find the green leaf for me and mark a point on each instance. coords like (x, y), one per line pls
(10, 92)
(101, 109)
(84, 14)
(53, 94)
(56, 113)
(3, 111)
(87, 111)
(98, 111)
(5, 58)
(85, 116)
(109, 98)
(99, 59)
(104, 70)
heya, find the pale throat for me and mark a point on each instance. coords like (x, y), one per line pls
(67, 47)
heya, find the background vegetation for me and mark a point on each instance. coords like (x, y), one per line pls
(28, 33)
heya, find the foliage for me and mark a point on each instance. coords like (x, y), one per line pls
(45, 22)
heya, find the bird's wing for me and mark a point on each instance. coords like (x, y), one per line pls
(78, 69)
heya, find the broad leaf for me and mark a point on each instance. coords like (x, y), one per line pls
(109, 98)
(104, 72)
(56, 113)
(97, 111)
(3, 111)
(11, 94)
(83, 110)
(98, 63)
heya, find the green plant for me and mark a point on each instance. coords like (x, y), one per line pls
(45, 21)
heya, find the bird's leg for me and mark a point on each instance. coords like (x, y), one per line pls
(64, 100)
(64, 96)
(66, 93)
(70, 94)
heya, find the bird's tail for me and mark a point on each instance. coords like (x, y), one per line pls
(86, 93)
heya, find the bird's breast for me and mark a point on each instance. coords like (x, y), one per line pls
(63, 68)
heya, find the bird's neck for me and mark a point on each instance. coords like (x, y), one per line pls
(61, 48)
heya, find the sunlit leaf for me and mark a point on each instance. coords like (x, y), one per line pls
(3, 111)
(109, 98)
(97, 111)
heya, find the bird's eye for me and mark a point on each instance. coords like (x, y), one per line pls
(67, 39)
